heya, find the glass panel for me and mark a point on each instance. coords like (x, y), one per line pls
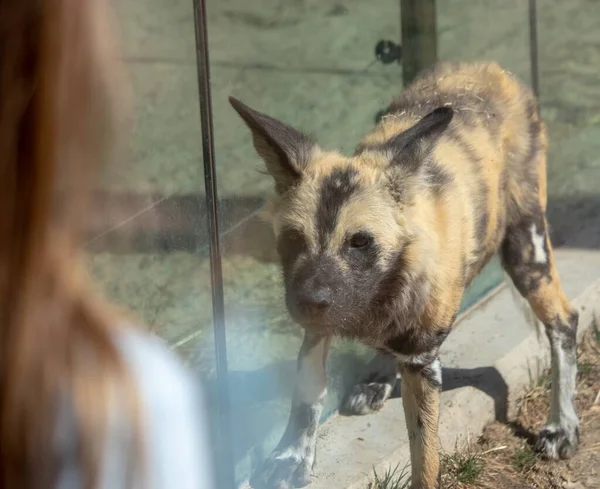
(492, 31)
(569, 44)
(486, 30)
(316, 85)
(311, 64)
(147, 247)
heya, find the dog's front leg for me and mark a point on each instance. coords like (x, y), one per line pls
(291, 462)
(421, 388)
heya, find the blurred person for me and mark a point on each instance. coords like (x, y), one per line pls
(87, 401)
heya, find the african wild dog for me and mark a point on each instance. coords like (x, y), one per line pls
(380, 246)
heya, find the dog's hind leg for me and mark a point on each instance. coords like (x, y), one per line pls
(528, 259)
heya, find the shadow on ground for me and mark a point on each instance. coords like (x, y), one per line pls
(485, 379)
(260, 396)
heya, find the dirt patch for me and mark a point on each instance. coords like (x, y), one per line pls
(502, 457)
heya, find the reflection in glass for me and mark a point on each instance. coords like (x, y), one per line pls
(147, 245)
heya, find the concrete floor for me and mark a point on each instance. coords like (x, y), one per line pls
(489, 361)
(311, 63)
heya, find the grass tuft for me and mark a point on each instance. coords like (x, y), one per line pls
(524, 459)
(540, 378)
(585, 368)
(464, 468)
(391, 479)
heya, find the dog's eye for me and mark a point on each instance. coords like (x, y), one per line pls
(360, 240)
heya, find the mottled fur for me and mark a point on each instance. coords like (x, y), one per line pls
(380, 246)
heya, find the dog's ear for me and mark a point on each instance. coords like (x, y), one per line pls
(285, 150)
(411, 147)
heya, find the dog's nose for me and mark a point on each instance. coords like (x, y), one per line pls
(315, 300)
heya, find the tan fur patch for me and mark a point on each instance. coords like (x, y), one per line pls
(421, 404)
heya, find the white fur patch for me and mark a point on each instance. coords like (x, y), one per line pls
(417, 360)
(538, 241)
(559, 436)
(564, 374)
(436, 369)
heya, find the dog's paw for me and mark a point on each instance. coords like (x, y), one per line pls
(367, 397)
(555, 442)
(282, 470)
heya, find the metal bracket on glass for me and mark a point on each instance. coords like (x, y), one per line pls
(387, 52)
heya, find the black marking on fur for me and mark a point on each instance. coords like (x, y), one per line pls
(504, 182)
(526, 274)
(415, 342)
(380, 291)
(357, 290)
(535, 129)
(567, 332)
(573, 324)
(397, 188)
(387, 290)
(290, 244)
(336, 189)
(410, 152)
(423, 359)
(361, 259)
(438, 178)
(411, 147)
(372, 297)
(316, 273)
(484, 218)
(428, 372)
(483, 191)
(559, 438)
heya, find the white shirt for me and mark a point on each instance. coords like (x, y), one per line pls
(176, 435)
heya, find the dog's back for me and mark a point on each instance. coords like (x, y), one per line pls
(490, 163)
